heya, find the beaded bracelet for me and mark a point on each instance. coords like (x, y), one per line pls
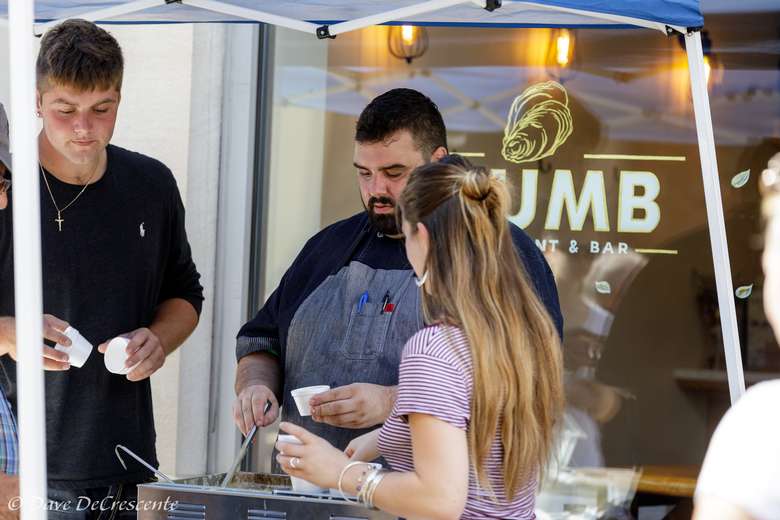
(359, 483)
(344, 471)
(369, 497)
(366, 494)
(361, 495)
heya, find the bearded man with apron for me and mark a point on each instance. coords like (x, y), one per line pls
(345, 308)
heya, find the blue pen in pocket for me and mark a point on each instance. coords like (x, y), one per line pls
(362, 302)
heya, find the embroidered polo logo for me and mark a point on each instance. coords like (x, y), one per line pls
(141, 230)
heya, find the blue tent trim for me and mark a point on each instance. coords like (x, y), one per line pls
(418, 24)
(498, 25)
(680, 14)
(685, 13)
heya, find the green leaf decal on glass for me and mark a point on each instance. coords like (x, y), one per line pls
(744, 291)
(740, 179)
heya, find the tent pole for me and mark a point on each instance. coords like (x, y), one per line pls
(395, 14)
(253, 14)
(27, 262)
(210, 5)
(104, 14)
(715, 218)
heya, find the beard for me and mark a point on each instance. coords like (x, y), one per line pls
(385, 223)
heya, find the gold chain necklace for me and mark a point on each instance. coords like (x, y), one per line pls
(59, 220)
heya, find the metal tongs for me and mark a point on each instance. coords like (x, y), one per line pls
(242, 452)
(140, 461)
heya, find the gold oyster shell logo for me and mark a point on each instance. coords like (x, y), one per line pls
(539, 122)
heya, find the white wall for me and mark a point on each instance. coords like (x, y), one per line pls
(202, 196)
(233, 234)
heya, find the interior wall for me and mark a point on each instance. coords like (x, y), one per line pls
(341, 198)
(297, 156)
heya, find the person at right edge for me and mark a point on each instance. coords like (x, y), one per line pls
(345, 308)
(740, 477)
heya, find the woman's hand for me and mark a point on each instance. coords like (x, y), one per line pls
(314, 460)
(364, 447)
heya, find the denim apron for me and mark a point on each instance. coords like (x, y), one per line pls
(333, 339)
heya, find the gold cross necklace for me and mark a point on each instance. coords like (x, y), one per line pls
(59, 220)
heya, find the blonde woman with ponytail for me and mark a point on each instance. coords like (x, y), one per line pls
(480, 389)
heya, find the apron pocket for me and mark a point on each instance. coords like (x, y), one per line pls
(366, 332)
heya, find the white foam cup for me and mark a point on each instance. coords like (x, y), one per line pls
(298, 484)
(116, 355)
(302, 396)
(79, 350)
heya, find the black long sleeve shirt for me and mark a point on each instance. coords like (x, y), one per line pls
(122, 251)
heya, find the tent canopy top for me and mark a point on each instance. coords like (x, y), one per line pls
(663, 15)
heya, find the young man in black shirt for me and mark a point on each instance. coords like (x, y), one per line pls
(116, 262)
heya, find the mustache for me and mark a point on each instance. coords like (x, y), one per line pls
(387, 201)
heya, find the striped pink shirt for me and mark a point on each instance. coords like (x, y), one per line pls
(436, 378)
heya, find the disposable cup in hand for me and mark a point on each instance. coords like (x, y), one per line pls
(298, 484)
(116, 355)
(302, 396)
(79, 350)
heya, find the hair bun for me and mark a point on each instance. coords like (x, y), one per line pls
(476, 184)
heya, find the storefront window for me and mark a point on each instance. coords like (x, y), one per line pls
(594, 132)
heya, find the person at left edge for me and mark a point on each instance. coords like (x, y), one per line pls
(9, 441)
(116, 261)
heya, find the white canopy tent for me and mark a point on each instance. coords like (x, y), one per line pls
(325, 19)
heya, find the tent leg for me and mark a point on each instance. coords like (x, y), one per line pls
(715, 218)
(27, 262)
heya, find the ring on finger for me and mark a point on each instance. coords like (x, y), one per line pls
(294, 462)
